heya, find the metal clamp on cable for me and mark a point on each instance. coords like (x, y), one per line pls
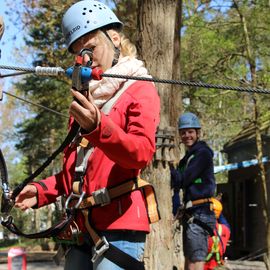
(100, 249)
(101, 196)
(74, 196)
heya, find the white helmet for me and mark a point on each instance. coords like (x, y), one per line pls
(84, 17)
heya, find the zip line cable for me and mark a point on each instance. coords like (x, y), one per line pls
(188, 83)
(36, 104)
(55, 71)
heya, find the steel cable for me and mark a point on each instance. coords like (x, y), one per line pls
(55, 71)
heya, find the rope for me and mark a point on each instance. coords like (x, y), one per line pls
(188, 83)
(36, 104)
(55, 71)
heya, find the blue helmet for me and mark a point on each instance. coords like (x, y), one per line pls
(84, 17)
(188, 120)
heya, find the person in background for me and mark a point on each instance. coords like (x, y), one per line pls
(217, 244)
(195, 176)
(122, 140)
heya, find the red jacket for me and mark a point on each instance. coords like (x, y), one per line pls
(224, 236)
(124, 143)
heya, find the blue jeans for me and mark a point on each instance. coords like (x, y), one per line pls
(131, 242)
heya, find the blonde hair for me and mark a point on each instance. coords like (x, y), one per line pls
(127, 48)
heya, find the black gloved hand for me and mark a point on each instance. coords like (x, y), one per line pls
(176, 179)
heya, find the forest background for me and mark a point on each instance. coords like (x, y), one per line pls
(218, 42)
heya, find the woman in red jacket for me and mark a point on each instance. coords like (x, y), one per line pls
(122, 140)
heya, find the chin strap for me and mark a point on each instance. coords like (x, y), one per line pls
(116, 49)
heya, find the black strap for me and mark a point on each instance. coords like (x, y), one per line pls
(51, 232)
(5, 203)
(122, 259)
(3, 169)
(72, 133)
(206, 227)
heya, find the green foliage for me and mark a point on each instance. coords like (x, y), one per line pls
(42, 131)
(126, 10)
(41, 134)
(214, 50)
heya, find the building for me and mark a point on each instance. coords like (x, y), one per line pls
(243, 194)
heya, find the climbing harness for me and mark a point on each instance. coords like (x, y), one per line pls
(183, 213)
(215, 249)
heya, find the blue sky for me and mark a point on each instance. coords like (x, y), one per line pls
(10, 47)
(7, 43)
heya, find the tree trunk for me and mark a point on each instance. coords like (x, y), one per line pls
(156, 23)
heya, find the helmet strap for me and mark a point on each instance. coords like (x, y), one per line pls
(116, 50)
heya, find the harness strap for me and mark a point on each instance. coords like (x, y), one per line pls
(8, 203)
(122, 189)
(72, 133)
(206, 227)
(101, 197)
(190, 204)
(109, 251)
(51, 232)
(215, 249)
(114, 192)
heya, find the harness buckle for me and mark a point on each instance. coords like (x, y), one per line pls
(74, 196)
(189, 204)
(99, 249)
(190, 220)
(101, 196)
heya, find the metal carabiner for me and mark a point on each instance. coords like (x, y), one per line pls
(100, 248)
(74, 196)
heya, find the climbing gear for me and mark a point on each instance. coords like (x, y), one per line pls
(189, 205)
(24, 70)
(198, 202)
(215, 249)
(188, 120)
(191, 219)
(183, 213)
(116, 50)
(84, 17)
(216, 206)
(8, 200)
(81, 75)
(71, 235)
(78, 202)
(4, 184)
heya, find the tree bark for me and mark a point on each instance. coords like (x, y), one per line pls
(156, 47)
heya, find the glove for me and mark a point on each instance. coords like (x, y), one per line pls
(176, 179)
(176, 201)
